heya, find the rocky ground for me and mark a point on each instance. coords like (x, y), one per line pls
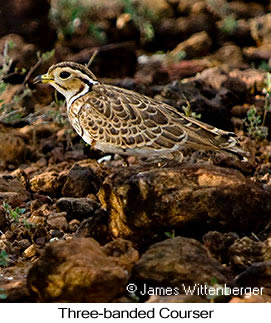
(73, 229)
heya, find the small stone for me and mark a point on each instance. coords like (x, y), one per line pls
(123, 252)
(73, 225)
(12, 148)
(260, 28)
(77, 208)
(83, 178)
(24, 244)
(244, 252)
(196, 46)
(58, 221)
(12, 190)
(30, 252)
(47, 182)
(218, 244)
(3, 218)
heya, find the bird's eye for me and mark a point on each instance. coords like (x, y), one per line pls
(64, 75)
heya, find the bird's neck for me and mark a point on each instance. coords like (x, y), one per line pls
(72, 96)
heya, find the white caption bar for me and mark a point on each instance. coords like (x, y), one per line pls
(133, 312)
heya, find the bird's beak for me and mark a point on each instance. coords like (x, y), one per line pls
(44, 78)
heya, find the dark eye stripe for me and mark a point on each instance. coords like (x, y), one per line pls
(90, 84)
(64, 75)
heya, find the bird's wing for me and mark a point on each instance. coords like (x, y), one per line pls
(131, 120)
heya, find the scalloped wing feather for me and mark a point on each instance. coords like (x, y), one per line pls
(123, 118)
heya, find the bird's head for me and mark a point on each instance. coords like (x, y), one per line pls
(70, 79)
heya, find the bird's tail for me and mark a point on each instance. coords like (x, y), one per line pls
(208, 137)
(238, 152)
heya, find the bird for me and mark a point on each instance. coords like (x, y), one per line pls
(120, 121)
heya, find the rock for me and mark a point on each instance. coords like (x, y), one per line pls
(258, 54)
(77, 208)
(3, 218)
(218, 244)
(211, 93)
(244, 10)
(73, 225)
(219, 78)
(47, 182)
(12, 148)
(266, 249)
(229, 54)
(84, 178)
(169, 32)
(185, 68)
(257, 275)
(24, 244)
(15, 291)
(96, 227)
(28, 19)
(143, 202)
(212, 105)
(12, 191)
(31, 251)
(151, 72)
(253, 78)
(179, 262)
(160, 8)
(245, 252)
(123, 252)
(76, 270)
(197, 45)
(185, 7)
(234, 30)
(260, 28)
(58, 221)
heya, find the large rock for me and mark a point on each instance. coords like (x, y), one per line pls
(178, 263)
(77, 270)
(143, 202)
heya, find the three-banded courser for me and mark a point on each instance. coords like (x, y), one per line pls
(116, 120)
